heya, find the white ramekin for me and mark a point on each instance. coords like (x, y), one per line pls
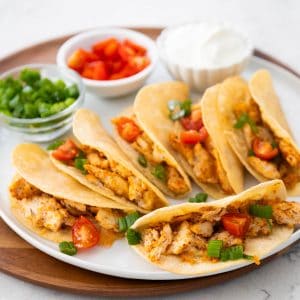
(199, 79)
(110, 88)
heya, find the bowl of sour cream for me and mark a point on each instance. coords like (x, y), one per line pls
(205, 53)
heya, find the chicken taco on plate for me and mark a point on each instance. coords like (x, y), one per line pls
(59, 208)
(200, 238)
(146, 152)
(191, 133)
(257, 130)
(98, 163)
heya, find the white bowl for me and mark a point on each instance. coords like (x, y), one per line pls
(110, 88)
(200, 78)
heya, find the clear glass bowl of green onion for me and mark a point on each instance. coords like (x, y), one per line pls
(38, 100)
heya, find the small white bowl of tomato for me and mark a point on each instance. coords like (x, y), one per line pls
(111, 61)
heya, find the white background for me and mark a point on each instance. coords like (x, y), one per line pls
(273, 26)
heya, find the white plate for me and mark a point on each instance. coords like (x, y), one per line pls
(120, 260)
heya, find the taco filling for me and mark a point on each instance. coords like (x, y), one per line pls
(46, 212)
(107, 173)
(269, 155)
(150, 156)
(191, 139)
(217, 233)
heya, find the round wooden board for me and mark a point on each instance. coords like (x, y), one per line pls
(21, 260)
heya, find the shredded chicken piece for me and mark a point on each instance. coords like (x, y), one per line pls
(45, 211)
(136, 188)
(287, 213)
(75, 208)
(263, 167)
(249, 135)
(157, 246)
(259, 226)
(185, 150)
(290, 154)
(22, 189)
(108, 218)
(223, 179)
(95, 159)
(149, 200)
(228, 239)
(204, 229)
(122, 171)
(175, 181)
(110, 180)
(204, 165)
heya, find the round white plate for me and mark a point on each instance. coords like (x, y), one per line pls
(120, 260)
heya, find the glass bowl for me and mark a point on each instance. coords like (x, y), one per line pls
(48, 128)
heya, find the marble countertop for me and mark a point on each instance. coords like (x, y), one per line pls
(273, 26)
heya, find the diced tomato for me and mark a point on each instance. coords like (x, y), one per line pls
(66, 151)
(111, 49)
(78, 59)
(128, 129)
(236, 224)
(193, 121)
(84, 233)
(264, 149)
(95, 70)
(126, 52)
(99, 47)
(140, 50)
(138, 63)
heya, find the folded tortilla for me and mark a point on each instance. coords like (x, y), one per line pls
(256, 246)
(33, 164)
(89, 131)
(235, 90)
(133, 154)
(151, 110)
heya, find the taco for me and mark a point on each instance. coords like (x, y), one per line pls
(148, 154)
(53, 204)
(191, 134)
(257, 131)
(201, 238)
(98, 163)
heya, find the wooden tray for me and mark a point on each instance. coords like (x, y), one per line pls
(21, 260)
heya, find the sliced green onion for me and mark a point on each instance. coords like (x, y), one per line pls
(214, 248)
(79, 164)
(244, 119)
(179, 109)
(186, 106)
(67, 248)
(232, 253)
(122, 224)
(160, 172)
(131, 218)
(55, 145)
(173, 104)
(142, 161)
(274, 145)
(269, 224)
(249, 257)
(251, 152)
(262, 211)
(133, 237)
(200, 197)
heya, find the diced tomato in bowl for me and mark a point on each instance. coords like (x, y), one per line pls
(111, 61)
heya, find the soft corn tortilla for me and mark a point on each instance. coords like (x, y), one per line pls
(133, 156)
(234, 90)
(88, 129)
(159, 127)
(33, 164)
(253, 246)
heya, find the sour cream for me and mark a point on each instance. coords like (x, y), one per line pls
(205, 45)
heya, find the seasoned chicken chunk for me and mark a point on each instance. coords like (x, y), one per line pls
(22, 189)
(227, 238)
(289, 153)
(74, 208)
(263, 167)
(95, 159)
(287, 213)
(259, 226)
(185, 150)
(204, 229)
(110, 180)
(136, 188)
(204, 165)
(175, 181)
(158, 247)
(108, 218)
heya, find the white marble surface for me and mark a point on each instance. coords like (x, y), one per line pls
(273, 25)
